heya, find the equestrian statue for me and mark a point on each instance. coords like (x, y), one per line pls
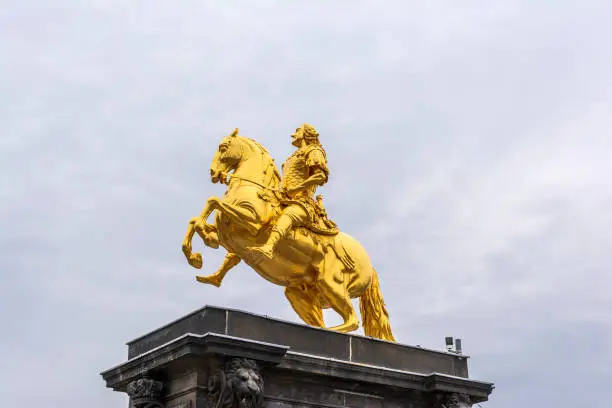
(276, 226)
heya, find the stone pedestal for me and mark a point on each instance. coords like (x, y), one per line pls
(223, 358)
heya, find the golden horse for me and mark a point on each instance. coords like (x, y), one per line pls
(313, 275)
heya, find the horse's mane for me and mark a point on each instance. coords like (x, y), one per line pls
(272, 175)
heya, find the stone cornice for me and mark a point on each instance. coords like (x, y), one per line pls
(192, 345)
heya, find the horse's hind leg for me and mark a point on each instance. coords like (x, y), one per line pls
(303, 302)
(336, 294)
(339, 301)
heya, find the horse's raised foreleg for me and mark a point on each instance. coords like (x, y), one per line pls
(215, 279)
(208, 233)
(240, 215)
(194, 260)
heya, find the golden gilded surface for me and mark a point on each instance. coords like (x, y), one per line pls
(277, 226)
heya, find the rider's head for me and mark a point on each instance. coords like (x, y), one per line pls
(305, 134)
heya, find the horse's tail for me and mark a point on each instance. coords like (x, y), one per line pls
(374, 313)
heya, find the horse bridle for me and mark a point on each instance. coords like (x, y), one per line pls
(250, 181)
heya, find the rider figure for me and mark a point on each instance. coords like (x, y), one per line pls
(303, 171)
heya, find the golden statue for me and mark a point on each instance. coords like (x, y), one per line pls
(278, 228)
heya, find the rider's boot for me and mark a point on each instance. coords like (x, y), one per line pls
(279, 231)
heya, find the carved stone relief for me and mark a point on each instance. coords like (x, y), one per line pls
(145, 393)
(238, 385)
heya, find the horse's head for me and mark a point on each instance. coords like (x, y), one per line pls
(227, 158)
(248, 159)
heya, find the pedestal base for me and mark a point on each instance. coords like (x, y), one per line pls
(222, 358)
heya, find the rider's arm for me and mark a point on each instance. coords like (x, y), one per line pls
(317, 179)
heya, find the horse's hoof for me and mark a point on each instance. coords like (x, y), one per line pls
(209, 280)
(195, 260)
(347, 327)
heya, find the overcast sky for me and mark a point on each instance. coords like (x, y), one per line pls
(470, 149)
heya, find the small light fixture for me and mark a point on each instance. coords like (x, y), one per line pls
(449, 344)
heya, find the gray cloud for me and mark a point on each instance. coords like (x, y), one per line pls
(469, 146)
